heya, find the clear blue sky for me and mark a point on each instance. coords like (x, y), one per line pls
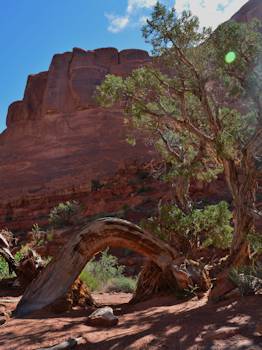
(32, 31)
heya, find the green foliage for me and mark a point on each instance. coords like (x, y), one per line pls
(248, 279)
(255, 241)
(202, 227)
(64, 214)
(89, 279)
(121, 284)
(181, 111)
(202, 114)
(4, 269)
(106, 271)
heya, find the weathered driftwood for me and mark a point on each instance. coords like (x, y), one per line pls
(6, 254)
(55, 280)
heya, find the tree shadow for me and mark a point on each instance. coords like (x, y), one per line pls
(160, 323)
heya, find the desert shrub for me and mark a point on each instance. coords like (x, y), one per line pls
(89, 279)
(202, 227)
(64, 214)
(106, 274)
(248, 279)
(4, 269)
(121, 284)
(255, 241)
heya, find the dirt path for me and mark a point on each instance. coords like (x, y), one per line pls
(161, 323)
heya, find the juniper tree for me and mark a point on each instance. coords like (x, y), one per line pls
(200, 102)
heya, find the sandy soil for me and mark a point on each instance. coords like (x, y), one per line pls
(161, 323)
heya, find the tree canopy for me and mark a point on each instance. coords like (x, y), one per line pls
(199, 101)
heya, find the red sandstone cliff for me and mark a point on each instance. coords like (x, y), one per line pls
(56, 136)
(57, 140)
(252, 9)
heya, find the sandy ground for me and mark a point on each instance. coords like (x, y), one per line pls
(161, 323)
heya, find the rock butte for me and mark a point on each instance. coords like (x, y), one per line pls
(58, 140)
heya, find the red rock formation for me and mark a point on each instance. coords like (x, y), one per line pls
(252, 9)
(57, 138)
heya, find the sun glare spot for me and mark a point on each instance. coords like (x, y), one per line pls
(230, 57)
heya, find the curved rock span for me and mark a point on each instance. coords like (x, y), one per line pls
(60, 274)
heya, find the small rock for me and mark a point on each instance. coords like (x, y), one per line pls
(103, 317)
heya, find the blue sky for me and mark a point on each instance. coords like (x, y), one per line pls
(32, 31)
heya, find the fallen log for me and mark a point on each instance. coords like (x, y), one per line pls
(55, 280)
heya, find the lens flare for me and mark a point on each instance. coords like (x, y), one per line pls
(230, 57)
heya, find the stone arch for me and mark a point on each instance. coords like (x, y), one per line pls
(55, 280)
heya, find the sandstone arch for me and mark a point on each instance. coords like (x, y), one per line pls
(55, 280)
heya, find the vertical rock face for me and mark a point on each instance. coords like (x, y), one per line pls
(57, 136)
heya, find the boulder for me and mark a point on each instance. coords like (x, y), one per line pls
(103, 317)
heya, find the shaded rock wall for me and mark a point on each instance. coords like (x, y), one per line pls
(58, 140)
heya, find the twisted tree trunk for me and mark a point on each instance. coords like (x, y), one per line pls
(56, 279)
(242, 182)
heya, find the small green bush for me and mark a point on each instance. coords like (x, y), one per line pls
(90, 280)
(121, 284)
(4, 269)
(248, 279)
(255, 241)
(64, 214)
(106, 274)
(202, 227)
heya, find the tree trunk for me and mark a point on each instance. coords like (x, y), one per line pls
(242, 182)
(151, 281)
(59, 275)
(181, 190)
(243, 185)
